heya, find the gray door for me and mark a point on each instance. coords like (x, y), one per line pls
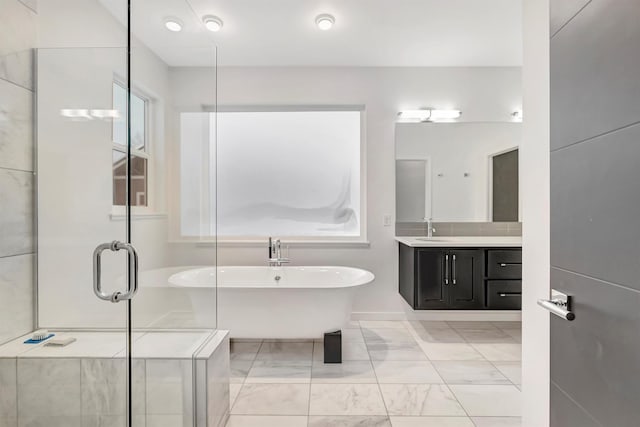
(595, 211)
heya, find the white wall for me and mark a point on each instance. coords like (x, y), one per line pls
(484, 94)
(455, 150)
(534, 170)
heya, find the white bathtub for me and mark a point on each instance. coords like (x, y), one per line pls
(277, 302)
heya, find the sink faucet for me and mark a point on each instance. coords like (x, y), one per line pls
(430, 229)
(275, 253)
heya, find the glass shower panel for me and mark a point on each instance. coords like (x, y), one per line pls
(175, 309)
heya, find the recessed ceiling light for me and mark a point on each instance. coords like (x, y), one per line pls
(173, 24)
(213, 23)
(325, 21)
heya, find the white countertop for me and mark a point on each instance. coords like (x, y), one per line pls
(461, 241)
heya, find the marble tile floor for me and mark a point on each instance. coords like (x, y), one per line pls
(394, 374)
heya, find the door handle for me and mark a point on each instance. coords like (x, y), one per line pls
(446, 269)
(132, 271)
(559, 304)
(453, 267)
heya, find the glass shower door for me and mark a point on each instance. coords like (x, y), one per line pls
(118, 240)
(86, 263)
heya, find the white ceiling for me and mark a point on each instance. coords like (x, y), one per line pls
(366, 33)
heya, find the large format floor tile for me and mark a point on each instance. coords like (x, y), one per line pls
(277, 371)
(381, 324)
(500, 352)
(470, 372)
(351, 350)
(420, 399)
(497, 421)
(284, 350)
(439, 335)
(387, 335)
(346, 399)
(349, 372)
(272, 399)
(346, 421)
(511, 370)
(244, 350)
(485, 336)
(266, 421)
(431, 422)
(489, 400)
(450, 351)
(394, 372)
(399, 350)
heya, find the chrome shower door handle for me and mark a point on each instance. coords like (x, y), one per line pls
(132, 271)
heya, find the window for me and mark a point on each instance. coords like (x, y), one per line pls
(139, 148)
(279, 173)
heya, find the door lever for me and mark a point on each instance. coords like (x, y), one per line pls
(132, 271)
(559, 304)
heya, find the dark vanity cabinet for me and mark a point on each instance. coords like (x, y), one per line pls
(460, 278)
(435, 278)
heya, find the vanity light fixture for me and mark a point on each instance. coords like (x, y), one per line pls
(444, 115)
(428, 115)
(79, 114)
(173, 25)
(213, 23)
(325, 21)
(76, 114)
(414, 116)
(517, 116)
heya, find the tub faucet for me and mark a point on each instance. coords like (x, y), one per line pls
(430, 228)
(275, 253)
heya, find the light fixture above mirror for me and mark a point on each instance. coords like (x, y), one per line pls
(428, 115)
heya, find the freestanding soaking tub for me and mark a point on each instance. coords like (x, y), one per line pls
(277, 302)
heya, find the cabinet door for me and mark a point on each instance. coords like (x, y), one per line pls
(467, 276)
(431, 273)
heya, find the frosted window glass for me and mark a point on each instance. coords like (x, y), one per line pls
(287, 174)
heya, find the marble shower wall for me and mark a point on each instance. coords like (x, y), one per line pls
(18, 37)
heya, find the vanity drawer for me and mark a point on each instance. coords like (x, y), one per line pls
(504, 295)
(504, 264)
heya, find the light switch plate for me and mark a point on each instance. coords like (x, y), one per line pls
(388, 220)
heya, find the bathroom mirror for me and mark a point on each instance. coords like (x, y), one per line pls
(457, 172)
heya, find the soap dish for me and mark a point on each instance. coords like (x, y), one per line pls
(60, 342)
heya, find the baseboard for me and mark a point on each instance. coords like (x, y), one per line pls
(465, 315)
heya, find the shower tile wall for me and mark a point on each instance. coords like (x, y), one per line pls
(18, 37)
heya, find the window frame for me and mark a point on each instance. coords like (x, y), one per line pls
(360, 240)
(147, 153)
